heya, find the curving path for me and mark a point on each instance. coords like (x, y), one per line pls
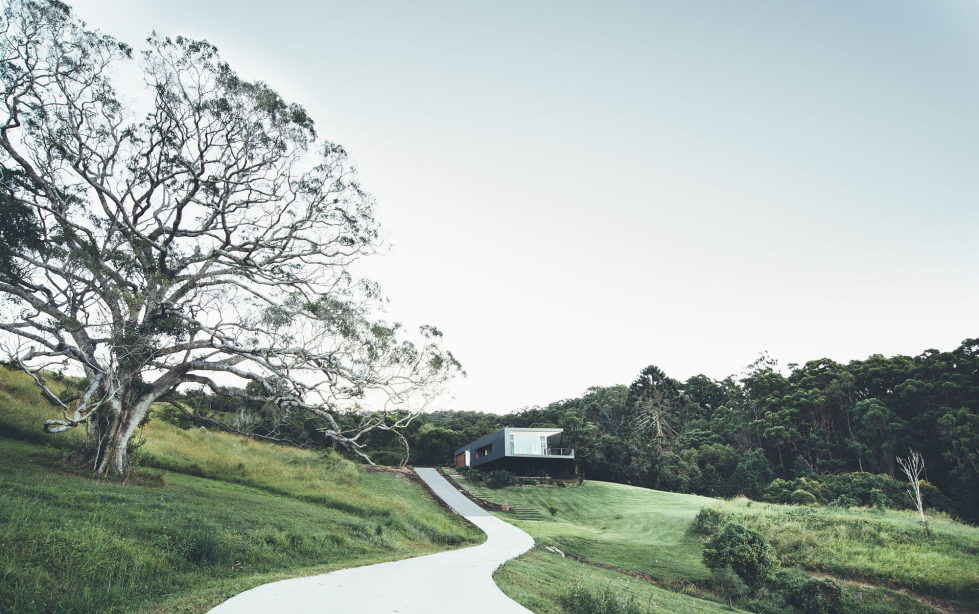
(446, 582)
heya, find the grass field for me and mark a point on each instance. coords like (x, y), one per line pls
(214, 515)
(539, 580)
(638, 529)
(648, 532)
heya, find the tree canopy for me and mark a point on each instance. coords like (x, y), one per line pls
(206, 243)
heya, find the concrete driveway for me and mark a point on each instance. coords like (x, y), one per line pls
(444, 583)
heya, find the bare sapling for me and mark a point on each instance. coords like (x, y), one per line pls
(913, 466)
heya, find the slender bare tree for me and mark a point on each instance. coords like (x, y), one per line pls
(913, 467)
(655, 399)
(207, 243)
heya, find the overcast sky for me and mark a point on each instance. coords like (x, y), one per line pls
(573, 191)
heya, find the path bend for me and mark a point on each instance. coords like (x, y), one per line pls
(445, 582)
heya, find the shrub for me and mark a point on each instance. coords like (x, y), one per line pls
(811, 595)
(802, 469)
(709, 520)
(499, 478)
(844, 502)
(933, 498)
(745, 551)
(878, 499)
(782, 491)
(470, 473)
(802, 497)
(751, 475)
(860, 485)
(586, 600)
(728, 585)
(778, 491)
(171, 415)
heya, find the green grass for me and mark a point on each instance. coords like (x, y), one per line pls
(883, 548)
(539, 580)
(635, 529)
(215, 515)
(648, 532)
(638, 529)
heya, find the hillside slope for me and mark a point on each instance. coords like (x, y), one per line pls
(647, 533)
(207, 516)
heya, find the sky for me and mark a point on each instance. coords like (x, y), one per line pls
(572, 191)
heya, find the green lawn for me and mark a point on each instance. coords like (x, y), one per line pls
(638, 529)
(538, 580)
(214, 514)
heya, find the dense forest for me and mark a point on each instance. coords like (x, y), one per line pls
(822, 431)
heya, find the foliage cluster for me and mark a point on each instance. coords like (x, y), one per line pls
(499, 478)
(809, 595)
(745, 551)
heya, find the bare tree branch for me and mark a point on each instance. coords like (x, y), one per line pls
(208, 243)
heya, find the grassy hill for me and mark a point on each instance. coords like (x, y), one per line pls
(635, 529)
(207, 516)
(885, 548)
(648, 533)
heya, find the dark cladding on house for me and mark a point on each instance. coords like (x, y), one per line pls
(530, 452)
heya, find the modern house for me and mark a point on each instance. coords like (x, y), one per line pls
(529, 452)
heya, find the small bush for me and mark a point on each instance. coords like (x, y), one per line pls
(728, 585)
(844, 502)
(708, 521)
(860, 486)
(172, 415)
(745, 551)
(202, 545)
(499, 478)
(586, 600)
(802, 497)
(811, 595)
(878, 499)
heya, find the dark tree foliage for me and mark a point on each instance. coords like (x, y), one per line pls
(20, 229)
(744, 550)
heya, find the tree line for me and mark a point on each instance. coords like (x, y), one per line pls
(822, 431)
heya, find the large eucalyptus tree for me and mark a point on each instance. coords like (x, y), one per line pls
(207, 242)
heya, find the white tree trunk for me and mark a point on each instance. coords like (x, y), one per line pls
(115, 457)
